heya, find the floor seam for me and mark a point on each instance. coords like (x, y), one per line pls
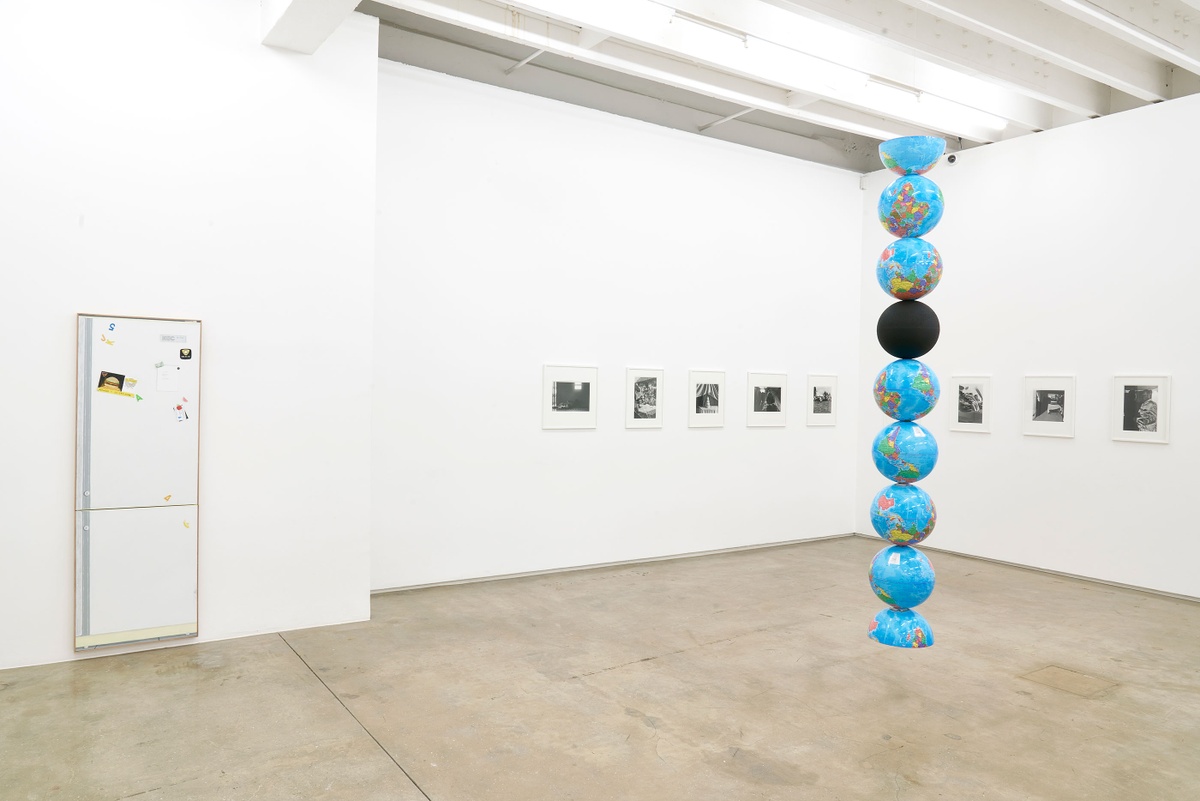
(350, 712)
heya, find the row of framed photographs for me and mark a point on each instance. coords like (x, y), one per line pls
(569, 398)
(1141, 406)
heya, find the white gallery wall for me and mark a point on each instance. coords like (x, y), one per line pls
(1071, 252)
(157, 160)
(515, 231)
(376, 321)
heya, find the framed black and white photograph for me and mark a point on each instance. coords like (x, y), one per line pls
(643, 398)
(706, 399)
(1141, 408)
(569, 397)
(973, 398)
(822, 400)
(1048, 408)
(766, 399)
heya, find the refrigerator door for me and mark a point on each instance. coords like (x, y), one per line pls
(137, 464)
(138, 412)
(137, 580)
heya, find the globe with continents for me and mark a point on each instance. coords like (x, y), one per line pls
(906, 389)
(904, 452)
(903, 514)
(901, 577)
(911, 155)
(909, 268)
(902, 628)
(911, 206)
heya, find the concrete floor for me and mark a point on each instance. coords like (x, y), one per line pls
(731, 677)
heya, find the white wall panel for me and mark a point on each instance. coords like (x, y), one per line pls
(159, 161)
(516, 231)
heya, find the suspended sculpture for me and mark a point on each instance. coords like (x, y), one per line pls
(906, 390)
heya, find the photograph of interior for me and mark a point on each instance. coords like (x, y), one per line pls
(352, 448)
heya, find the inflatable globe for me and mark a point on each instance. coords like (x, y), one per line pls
(911, 206)
(904, 452)
(901, 628)
(909, 268)
(906, 389)
(911, 155)
(903, 514)
(908, 329)
(901, 576)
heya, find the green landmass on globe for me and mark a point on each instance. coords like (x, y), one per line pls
(906, 390)
(904, 452)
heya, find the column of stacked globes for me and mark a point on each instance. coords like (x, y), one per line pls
(906, 390)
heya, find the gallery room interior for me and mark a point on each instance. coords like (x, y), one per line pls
(391, 217)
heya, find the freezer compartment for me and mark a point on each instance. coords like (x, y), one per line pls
(135, 575)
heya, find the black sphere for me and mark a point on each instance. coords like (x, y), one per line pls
(908, 329)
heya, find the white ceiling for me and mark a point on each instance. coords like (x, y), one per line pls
(823, 80)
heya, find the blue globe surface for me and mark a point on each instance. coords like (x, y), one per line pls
(911, 206)
(909, 268)
(907, 389)
(901, 576)
(901, 628)
(911, 155)
(903, 514)
(904, 452)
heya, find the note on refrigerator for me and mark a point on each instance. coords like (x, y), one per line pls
(169, 378)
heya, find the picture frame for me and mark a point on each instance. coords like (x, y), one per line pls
(1141, 410)
(1048, 406)
(706, 399)
(643, 398)
(569, 397)
(822, 400)
(972, 399)
(766, 399)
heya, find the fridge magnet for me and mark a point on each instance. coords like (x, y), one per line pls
(111, 382)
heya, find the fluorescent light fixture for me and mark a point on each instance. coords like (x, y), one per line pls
(715, 26)
(930, 111)
(899, 87)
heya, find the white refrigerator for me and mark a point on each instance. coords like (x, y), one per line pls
(136, 477)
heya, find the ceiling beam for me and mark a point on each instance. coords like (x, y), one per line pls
(302, 25)
(1165, 29)
(708, 34)
(878, 59)
(1033, 28)
(643, 42)
(957, 46)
